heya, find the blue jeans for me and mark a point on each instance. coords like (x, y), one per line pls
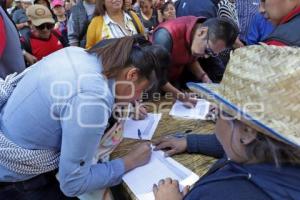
(42, 187)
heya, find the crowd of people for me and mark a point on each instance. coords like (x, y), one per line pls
(81, 62)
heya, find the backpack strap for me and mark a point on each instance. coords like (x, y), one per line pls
(60, 38)
(136, 22)
(26, 43)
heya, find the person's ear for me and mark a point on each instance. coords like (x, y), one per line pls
(202, 32)
(248, 134)
(132, 74)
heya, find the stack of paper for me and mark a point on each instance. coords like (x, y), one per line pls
(141, 179)
(198, 112)
(146, 126)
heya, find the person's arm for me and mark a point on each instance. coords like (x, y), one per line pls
(205, 144)
(253, 36)
(83, 121)
(162, 37)
(21, 25)
(73, 31)
(16, 19)
(2, 36)
(199, 73)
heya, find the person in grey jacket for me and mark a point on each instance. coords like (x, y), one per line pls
(80, 17)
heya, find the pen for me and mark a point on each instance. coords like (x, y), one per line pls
(140, 134)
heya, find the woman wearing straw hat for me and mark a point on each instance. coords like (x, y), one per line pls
(257, 133)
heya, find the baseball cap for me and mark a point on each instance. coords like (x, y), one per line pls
(39, 14)
(57, 3)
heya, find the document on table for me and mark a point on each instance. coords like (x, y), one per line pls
(141, 180)
(146, 126)
(198, 112)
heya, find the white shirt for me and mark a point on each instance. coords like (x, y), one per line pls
(112, 29)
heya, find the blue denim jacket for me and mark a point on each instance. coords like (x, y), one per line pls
(64, 103)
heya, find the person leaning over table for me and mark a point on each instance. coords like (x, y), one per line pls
(259, 150)
(188, 39)
(62, 106)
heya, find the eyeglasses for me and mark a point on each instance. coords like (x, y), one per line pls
(46, 25)
(208, 50)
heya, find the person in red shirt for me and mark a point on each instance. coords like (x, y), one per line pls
(286, 15)
(188, 39)
(42, 40)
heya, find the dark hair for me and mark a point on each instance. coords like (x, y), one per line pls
(165, 5)
(117, 54)
(221, 29)
(163, 61)
(47, 2)
(100, 8)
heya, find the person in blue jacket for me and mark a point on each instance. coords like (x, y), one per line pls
(260, 27)
(58, 118)
(256, 140)
(203, 8)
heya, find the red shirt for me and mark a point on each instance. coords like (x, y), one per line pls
(41, 47)
(2, 36)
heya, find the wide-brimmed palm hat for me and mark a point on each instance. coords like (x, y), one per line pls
(261, 87)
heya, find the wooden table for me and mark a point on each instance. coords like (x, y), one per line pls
(167, 125)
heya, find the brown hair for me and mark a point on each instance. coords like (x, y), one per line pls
(100, 8)
(117, 54)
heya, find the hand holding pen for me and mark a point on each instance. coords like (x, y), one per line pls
(139, 112)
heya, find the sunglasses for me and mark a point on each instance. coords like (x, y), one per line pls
(46, 25)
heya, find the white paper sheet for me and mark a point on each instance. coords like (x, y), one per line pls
(146, 126)
(141, 179)
(198, 112)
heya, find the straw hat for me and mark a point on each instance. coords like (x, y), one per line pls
(261, 87)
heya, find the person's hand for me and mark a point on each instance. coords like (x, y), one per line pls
(140, 112)
(171, 145)
(238, 44)
(189, 100)
(25, 24)
(56, 26)
(30, 58)
(140, 155)
(168, 189)
(213, 112)
(206, 79)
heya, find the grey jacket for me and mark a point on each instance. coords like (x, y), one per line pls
(77, 25)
